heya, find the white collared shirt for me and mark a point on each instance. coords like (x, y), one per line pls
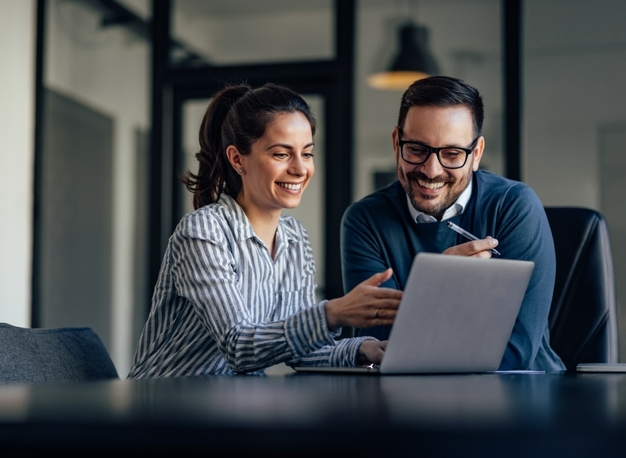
(453, 210)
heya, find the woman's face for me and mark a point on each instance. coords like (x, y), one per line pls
(279, 166)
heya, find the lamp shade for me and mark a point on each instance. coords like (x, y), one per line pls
(412, 62)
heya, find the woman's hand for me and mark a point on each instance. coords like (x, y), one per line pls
(366, 305)
(371, 352)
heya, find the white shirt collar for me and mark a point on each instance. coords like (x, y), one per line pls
(454, 209)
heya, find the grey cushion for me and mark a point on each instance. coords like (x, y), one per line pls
(58, 355)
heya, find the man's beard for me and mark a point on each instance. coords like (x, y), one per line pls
(433, 210)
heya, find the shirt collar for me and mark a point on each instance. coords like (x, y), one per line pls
(454, 209)
(241, 226)
(243, 229)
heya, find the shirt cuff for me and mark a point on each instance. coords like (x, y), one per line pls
(345, 352)
(307, 330)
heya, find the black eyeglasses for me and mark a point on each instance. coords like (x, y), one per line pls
(450, 157)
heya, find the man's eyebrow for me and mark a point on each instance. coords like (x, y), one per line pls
(426, 144)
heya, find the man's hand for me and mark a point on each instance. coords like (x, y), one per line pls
(477, 248)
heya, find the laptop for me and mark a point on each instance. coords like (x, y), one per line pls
(456, 316)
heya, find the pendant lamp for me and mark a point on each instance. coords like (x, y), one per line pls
(413, 61)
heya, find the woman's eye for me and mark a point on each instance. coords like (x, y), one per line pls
(308, 155)
(280, 155)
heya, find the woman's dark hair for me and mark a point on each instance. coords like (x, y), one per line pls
(237, 115)
(443, 91)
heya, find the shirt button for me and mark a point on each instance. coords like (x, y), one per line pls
(271, 282)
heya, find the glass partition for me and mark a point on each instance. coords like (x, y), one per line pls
(465, 39)
(575, 113)
(234, 32)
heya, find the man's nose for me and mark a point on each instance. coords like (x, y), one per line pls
(432, 167)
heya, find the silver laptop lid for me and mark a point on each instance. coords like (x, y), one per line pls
(456, 314)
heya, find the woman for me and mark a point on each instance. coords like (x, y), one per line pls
(236, 290)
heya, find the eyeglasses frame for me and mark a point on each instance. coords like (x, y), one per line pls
(435, 151)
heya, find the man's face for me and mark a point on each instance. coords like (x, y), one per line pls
(431, 187)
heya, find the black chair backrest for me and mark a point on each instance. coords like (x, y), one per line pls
(34, 355)
(583, 317)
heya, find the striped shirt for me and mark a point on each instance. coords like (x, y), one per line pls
(222, 305)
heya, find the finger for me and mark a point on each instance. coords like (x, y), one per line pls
(482, 254)
(476, 246)
(382, 300)
(473, 247)
(382, 292)
(387, 305)
(383, 316)
(381, 312)
(387, 297)
(493, 240)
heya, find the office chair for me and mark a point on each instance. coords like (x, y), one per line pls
(56, 355)
(583, 316)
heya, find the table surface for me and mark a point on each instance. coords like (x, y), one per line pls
(521, 414)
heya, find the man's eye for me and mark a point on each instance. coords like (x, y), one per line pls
(415, 149)
(451, 154)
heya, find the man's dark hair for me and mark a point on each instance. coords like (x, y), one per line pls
(443, 91)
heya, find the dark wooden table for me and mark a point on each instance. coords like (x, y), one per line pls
(326, 415)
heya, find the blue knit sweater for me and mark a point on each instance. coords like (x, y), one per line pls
(378, 232)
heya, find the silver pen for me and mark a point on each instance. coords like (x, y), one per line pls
(467, 235)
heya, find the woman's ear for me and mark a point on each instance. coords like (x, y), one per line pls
(235, 158)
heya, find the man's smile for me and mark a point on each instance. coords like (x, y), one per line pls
(430, 184)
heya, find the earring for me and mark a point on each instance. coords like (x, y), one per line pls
(240, 171)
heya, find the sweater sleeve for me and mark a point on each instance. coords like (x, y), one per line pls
(363, 253)
(524, 233)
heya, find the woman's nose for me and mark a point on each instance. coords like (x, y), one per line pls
(297, 166)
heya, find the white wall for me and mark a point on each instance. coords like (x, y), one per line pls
(17, 51)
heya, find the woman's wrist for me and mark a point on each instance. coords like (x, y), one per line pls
(370, 352)
(331, 315)
(361, 358)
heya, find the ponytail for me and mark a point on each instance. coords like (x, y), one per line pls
(215, 173)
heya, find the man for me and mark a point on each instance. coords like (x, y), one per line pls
(438, 146)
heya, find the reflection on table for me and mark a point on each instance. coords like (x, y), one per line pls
(519, 415)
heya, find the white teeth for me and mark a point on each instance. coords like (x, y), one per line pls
(293, 187)
(429, 185)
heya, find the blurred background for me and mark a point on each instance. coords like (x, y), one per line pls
(101, 101)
